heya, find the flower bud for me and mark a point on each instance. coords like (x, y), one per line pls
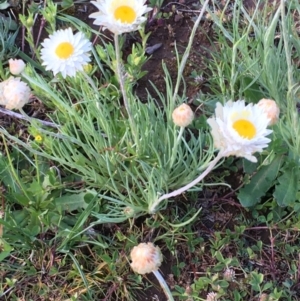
(14, 93)
(183, 115)
(264, 297)
(270, 108)
(16, 66)
(88, 68)
(146, 258)
(229, 274)
(211, 297)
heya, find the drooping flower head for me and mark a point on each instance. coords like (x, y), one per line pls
(240, 130)
(16, 66)
(66, 53)
(146, 258)
(183, 115)
(14, 93)
(271, 108)
(120, 16)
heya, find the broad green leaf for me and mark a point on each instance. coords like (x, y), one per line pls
(71, 202)
(8, 22)
(285, 192)
(4, 5)
(260, 183)
(5, 249)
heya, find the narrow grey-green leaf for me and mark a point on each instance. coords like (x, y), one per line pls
(72, 202)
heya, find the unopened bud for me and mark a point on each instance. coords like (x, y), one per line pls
(16, 66)
(212, 297)
(229, 274)
(183, 115)
(270, 108)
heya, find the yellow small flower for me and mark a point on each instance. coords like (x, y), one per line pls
(38, 138)
(271, 109)
(183, 115)
(146, 258)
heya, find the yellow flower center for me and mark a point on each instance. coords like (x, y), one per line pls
(38, 138)
(125, 14)
(64, 50)
(245, 128)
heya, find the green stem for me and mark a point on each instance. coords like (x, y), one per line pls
(120, 76)
(163, 285)
(187, 51)
(165, 196)
(90, 81)
(13, 171)
(37, 168)
(175, 147)
(285, 35)
(2, 71)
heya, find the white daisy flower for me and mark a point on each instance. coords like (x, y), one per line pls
(65, 52)
(120, 16)
(240, 130)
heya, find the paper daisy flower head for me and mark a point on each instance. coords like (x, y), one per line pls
(270, 107)
(66, 53)
(146, 258)
(240, 130)
(16, 67)
(14, 93)
(183, 115)
(120, 16)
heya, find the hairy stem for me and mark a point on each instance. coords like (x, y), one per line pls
(163, 285)
(187, 51)
(120, 76)
(165, 196)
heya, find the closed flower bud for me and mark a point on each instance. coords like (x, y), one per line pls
(146, 258)
(16, 66)
(229, 274)
(14, 93)
(264, 297)
(270, 108)
(88, 68)
(183, 115)
(212, 297)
